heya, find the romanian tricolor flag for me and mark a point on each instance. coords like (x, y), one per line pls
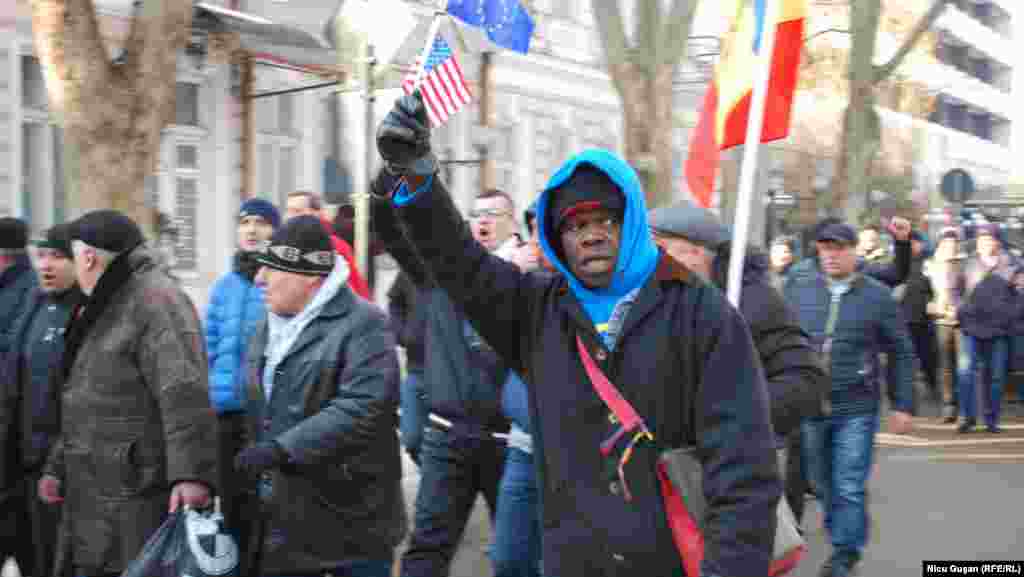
(723, 121)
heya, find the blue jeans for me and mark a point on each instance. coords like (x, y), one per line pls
(990, 356)
(516, 551)
(454, 468)
(414, 413)
(838, 452)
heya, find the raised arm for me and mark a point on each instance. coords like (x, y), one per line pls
(896, 272)
(492, 292)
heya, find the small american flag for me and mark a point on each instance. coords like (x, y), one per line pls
(443, 87)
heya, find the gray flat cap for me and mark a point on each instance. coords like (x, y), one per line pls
(694, 223)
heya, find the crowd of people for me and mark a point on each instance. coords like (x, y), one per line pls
(286, 405)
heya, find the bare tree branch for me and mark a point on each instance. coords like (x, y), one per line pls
(130, 54)
(826, 31)
(675, 33)
(165, 29)
(922, 26)
(647, 34)
(613, 37)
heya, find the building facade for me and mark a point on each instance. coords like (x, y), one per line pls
(948, 106)
(197, 182)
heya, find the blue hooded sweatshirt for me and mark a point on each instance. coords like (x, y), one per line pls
(638, 255)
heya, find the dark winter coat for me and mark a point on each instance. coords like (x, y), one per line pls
(407, 319)
(236, 308)
(917, 293)
(869, 322)
(135, 412)
(33, 378)
(683, 358)
(333, 409)
(29, 397)
(16, 283)
(985, 297)
(888, 273)
(797, 385)
(462, 374)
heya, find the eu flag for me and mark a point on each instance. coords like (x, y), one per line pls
(505, 21)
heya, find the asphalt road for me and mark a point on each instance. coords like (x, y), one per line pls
(934, 495)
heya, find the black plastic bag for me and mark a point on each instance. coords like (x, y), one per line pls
(191, 543)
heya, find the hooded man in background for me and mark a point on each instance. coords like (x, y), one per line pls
(669, 342)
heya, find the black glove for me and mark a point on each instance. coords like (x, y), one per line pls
(403, 138)
(259, 458)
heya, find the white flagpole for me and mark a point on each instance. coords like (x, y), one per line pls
(751, 147)
(435, 25)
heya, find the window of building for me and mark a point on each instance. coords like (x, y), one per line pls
(277, 151)
(41, 148)
(981, 124)
(177, 180)
(33, 87)
(278, 159)
(958, 116)
(186, 199)
(186, 111)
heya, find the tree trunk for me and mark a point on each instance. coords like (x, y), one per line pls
(642, 76)
(112, 113)
(862, 132)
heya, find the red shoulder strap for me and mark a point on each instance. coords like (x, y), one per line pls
(619, 406)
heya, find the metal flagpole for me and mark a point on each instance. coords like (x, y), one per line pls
(361, 202)
(751, 147)
(435, 25)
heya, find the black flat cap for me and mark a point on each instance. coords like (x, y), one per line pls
(838, 232)
(109, 230)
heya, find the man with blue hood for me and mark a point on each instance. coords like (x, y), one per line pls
(670, 343)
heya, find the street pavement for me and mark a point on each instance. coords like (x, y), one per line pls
(933, 495)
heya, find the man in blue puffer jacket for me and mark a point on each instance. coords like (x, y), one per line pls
(235, 309)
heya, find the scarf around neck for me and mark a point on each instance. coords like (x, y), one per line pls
(246, 264)
(283, 331)
(84, 316)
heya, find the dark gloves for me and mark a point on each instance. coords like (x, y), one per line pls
(403, 138)
(259, 458)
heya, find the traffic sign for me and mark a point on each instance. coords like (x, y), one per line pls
(957, 186)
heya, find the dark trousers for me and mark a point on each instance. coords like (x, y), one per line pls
(926, 349)
(949, 351)
(232, 486)
(454, 468)
(28, 530)
(796, 484)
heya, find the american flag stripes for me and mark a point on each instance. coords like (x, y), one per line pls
(443, 86)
